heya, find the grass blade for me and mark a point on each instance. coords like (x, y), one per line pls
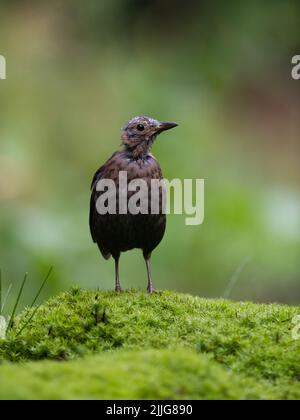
(17, 302)
(236, 276)
(34, 301)
(28, 321)
(6, 297)
(42, 287)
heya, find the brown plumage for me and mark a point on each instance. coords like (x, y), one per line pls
(116, 233)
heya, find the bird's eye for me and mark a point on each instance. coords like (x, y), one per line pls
(140, 127)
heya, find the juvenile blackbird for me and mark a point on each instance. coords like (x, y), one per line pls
(116, 233)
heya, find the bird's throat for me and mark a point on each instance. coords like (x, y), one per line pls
(140, 150)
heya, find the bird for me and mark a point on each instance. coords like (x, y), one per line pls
(118, 232)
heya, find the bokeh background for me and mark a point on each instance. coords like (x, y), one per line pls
(77, 71)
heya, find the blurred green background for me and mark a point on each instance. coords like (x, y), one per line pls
(77, 71)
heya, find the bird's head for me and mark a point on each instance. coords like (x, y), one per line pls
(140, 133)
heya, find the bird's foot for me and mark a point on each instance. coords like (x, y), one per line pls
(150, 290)
(118, 289)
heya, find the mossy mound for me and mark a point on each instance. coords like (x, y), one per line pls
(241, 345)
(149, 374)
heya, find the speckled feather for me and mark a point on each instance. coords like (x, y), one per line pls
(122, 232)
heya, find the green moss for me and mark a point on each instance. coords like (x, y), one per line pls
(246, 350)
(150, 374)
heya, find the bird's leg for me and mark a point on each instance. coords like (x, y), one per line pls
(117, 286)
(150, 288)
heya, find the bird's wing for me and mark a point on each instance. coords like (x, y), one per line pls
(93, 210)
(94, 196)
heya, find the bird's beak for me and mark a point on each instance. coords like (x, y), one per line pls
(165, 126)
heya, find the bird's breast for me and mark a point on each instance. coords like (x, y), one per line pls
(146, 168)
